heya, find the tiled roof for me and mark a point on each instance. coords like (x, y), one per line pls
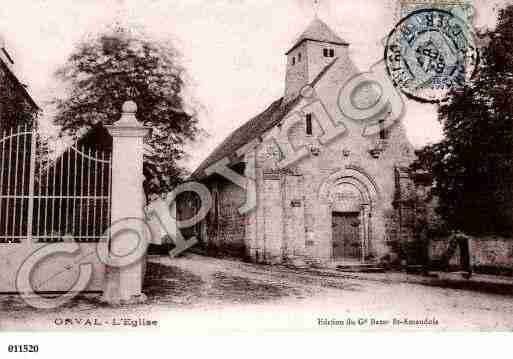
(319, 31)
(19, 86)
(251, 130)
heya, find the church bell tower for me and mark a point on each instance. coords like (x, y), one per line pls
(316, 48)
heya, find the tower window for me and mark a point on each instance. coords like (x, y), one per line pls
(309, 124)
(328, 52)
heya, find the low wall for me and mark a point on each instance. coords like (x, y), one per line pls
(486, 252)
(52, 273)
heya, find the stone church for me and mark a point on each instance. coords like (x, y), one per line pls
(340, 202)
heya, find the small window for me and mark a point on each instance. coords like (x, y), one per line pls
(328, 52)
(293, 60)
(309, 124)
(299, 57)
(382, 131)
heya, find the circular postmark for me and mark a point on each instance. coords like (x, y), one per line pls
(429, 53)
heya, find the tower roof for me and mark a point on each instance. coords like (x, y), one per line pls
(319, 31)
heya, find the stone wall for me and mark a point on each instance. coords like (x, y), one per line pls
(11, 264)
(226, 227)
(297, 73)
(486, 252)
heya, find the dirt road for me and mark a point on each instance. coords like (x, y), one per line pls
(201, 294)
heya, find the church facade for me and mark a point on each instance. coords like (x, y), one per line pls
(340, 201)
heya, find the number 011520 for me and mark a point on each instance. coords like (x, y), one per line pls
(23, 348)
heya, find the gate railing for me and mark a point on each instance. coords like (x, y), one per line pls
(65, 199)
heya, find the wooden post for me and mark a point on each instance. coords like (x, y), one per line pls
(123, 284)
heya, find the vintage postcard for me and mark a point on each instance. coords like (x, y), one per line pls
(226, 166)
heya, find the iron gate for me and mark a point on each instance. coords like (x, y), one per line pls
(42, 201)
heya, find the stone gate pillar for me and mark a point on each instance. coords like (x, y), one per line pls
(123, 284)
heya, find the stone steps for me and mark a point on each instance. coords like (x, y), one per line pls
(360, 268)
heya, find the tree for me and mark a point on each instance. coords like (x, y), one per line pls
(472, 165)
(104, 72)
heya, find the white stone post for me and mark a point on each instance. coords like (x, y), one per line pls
(123, 285)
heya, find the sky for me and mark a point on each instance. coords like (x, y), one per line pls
(233, 50)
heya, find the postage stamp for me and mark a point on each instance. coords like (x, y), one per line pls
(461, 8)
(431, 50)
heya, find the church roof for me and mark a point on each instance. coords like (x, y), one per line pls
(246, 133)
(254, 128)
(319, 31)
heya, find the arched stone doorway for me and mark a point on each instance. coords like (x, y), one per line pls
(350, 198)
